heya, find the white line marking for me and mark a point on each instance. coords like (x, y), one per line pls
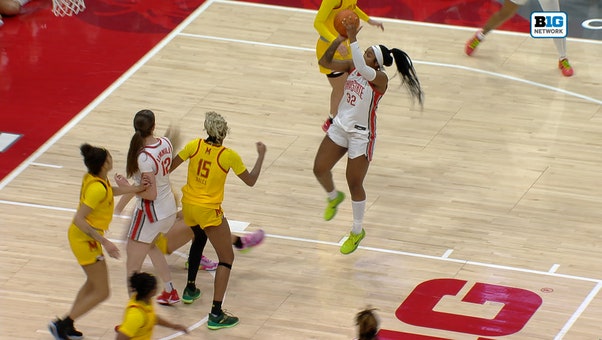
(406, 22)
(554, 268)
(578, 312)
(73, 122)
(381, 250)
(7, 139)
(447, 253)
(47, 165)
(430, 63)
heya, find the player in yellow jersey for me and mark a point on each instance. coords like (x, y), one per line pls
(208, 165)
(324, 25)
(139, 317)
(86, 237)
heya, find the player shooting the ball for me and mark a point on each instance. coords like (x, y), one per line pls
(353, 130)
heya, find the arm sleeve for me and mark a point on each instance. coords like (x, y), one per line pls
(361, 14)
(360, 64)
(324, 12)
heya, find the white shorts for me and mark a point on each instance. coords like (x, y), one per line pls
(519, 2)
(142, 230)
(357, 144)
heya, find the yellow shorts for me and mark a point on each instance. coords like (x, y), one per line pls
(201, 216)
(86, 249)
(322, 46)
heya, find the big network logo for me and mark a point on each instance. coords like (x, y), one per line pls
(549, 24)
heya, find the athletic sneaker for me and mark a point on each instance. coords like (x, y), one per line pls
(472, 44)
(168, 299)
(565, 67)
(331, 207)
(206, 264)
(326, 124)
(350, 245)
(189, 296)
(64, 330)
(251, 240)
(221, 321)
(57, 330)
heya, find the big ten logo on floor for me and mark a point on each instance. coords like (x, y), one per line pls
(512, 309)
(549, 24)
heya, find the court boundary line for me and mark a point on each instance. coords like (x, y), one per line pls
(408, 22)
(565, 329)
(374, 249)
(430, 63)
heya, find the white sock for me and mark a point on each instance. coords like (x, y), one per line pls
(480, 35)
(333, 194)
(168, 286)
(358, 208)
(560, 47)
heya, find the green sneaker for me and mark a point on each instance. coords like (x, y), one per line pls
(189, 296)
(331, 208)
(222, 321)
(350, 245)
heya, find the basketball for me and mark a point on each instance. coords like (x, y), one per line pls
(348, 16)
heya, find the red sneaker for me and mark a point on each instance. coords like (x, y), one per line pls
(472, 44)
(565, 67)
(168, 299)
(326, 124)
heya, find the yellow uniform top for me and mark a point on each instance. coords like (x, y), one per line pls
(138, 320)
(97, 194)
(324, 21)
(207, 171)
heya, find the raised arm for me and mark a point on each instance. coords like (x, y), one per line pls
(328, 60)
(250, 178)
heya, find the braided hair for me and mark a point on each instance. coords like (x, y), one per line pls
(216, 127)
(405, 68)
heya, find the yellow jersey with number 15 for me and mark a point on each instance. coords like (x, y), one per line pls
(208, 167)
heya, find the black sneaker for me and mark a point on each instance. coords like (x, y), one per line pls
(57, 330)
(70, 331)
(74, 334)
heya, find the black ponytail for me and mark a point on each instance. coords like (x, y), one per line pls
(405, 68)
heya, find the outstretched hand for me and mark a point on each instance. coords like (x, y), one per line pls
(377, 24)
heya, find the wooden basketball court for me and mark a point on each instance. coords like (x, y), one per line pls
(483, 214)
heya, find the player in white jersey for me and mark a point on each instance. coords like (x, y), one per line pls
(353, 130)
(150, 157)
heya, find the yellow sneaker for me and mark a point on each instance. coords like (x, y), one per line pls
(351, 244)
(331, 207)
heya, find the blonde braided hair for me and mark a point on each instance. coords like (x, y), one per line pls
(216, 126)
